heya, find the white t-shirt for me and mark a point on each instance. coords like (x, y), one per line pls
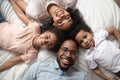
(37, 9)
(104, 53)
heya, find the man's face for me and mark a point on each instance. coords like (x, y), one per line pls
(67, 54)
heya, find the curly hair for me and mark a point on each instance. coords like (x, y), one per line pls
(60, 38)
(80, 26)
(74, 13)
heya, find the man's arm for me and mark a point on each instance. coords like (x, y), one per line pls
(20, 13)
(9, 63)
(101, 74)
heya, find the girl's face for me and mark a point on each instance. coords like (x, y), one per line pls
(47, 40)
(85, 39)
(62, 19)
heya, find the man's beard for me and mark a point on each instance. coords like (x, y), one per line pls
(62, 68)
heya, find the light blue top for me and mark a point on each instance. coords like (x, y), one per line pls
(49, 70)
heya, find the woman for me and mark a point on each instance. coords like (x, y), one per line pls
(40, 10)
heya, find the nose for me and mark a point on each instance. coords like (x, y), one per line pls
(85, 41)
(68, 54)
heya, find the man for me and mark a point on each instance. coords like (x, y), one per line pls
(58, 69)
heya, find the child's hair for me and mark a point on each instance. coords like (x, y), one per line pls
(60, 38)
(79, 27)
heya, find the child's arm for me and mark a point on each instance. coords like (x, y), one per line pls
(101, 74)
(9, 63)
(115, 32)
(20, 13)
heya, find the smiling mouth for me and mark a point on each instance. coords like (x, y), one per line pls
(59, 12)
(90, 44)
(66, 62)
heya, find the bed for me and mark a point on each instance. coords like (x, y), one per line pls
(98, 14)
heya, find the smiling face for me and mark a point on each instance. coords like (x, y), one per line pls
(62, 19)
(85, 39)
(67, 54)
(47, 40)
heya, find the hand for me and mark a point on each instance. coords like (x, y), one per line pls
(112, 78)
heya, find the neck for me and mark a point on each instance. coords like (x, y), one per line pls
(52, 8)
(34, 42)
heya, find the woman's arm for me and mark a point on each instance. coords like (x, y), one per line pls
(101, 74)
(20, 12)
(9, 63)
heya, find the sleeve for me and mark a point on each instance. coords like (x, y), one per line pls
(91, 62)
(29, 56)
(36, 27)
(102, 34)
(31, 72)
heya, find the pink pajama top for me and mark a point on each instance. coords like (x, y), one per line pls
(18, 39)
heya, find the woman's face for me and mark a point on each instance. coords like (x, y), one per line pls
(85, 39)
(47, 40)
(62, 19)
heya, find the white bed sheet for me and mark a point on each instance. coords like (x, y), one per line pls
(98, 14)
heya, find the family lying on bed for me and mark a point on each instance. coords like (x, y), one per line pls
(31, 39)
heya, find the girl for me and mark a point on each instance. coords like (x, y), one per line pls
(99, 50)
(26, 41)
(40, 10)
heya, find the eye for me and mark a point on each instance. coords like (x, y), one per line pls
(49, 45)
(65, 49)
(67, 17)
(73, 52)
(85, 36)
(60, 21)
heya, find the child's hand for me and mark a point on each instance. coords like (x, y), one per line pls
(112, 78)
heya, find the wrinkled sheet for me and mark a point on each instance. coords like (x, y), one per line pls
(98, 14)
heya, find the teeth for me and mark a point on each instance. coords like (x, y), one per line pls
(59, 13)
(66, 61)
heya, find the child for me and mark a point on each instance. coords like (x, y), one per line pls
(26, 41)
(100, 50)
(40, 10)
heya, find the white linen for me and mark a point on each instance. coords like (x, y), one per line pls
(98, 14)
